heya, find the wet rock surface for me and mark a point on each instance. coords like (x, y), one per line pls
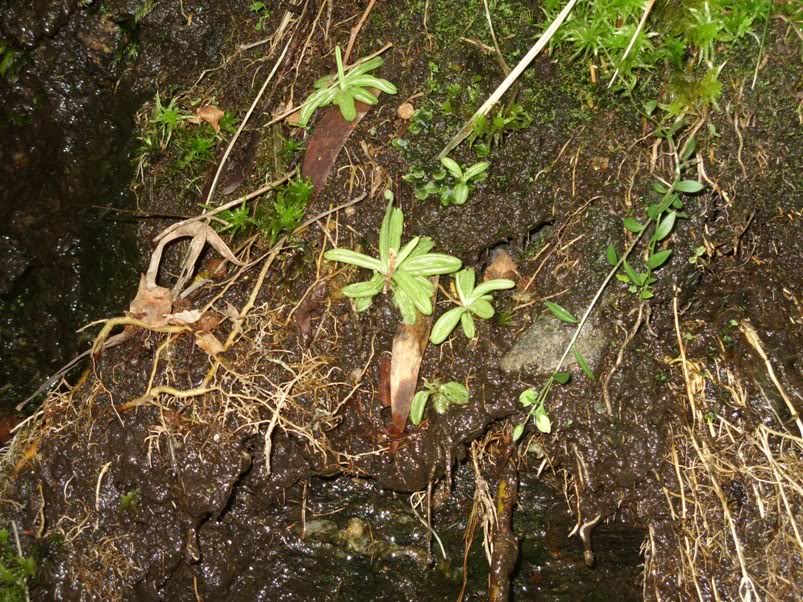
(538, 351)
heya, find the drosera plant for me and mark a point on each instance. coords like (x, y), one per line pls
(473, 301)
(404, 270)
(443, 396)
(451, 183)
(346, 87)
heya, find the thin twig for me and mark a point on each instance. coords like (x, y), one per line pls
(253, 106)
(508, 81)
(355, 31)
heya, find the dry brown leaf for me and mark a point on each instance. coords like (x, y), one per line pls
(201, 234)
(208, 343)
(502, 266)
(210, 114)
(152, 304)
(327, 141)
(191, 316)
(408, 350)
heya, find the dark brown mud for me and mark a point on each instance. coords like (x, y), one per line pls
(278, 482)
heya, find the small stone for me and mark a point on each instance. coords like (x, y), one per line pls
(540, 348)
(406, 111)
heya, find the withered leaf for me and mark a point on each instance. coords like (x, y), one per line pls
(210, 114)
(152, 304)
(208, 343)
(502, 266)
(327, 141)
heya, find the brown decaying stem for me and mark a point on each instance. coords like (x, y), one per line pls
(506, 545)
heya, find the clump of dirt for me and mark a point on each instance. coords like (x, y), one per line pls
(172, 471)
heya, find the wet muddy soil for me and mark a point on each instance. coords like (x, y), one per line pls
(270, 470)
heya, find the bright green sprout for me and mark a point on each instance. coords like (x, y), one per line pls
(344, 89)
(405, 270)
(443, 396)
(463, 179)
(474, 301)
(530, 398)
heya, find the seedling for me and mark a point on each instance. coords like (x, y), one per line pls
(663, 216)
(344, 89)
(404, 270)
(452, 183)
(443, 396)
(698, 257)
(129, 502)
(260, 10)
(474, 301)
(487, 133)
(287, 210)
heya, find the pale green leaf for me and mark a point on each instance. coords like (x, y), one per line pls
(528, 397)
(453, 167)
(497, 284)
(365, 67)
(581, 361)
(560, 313)
(561, 377)
(482, 309)
(369, 288)
(542, 423)
(369, 81)
(418, 405)
(658, 259)
(464, 283)
(354, 258)
(405, 305)
(518, 431)
(468, 325)
(455, 392)
(475, 170)
(425, 245)
(460, 193)
(363, 96)
(688, 186)
(431, 264)
(417, 293)
(610, 255)
(363, 303)
(632, 225)
(407, 250)
(631, 273)
(445, 325)
(665, 227)
(390, 232)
